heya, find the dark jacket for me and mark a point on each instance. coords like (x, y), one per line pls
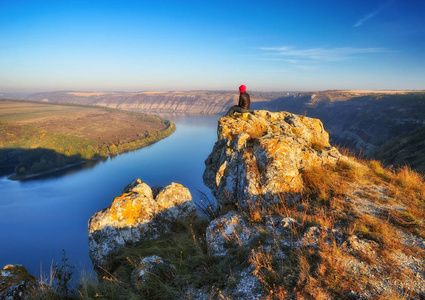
(244, 100)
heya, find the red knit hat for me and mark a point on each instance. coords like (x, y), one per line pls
(242, 88)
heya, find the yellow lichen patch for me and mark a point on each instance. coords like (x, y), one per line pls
(257, 130)
(164, 206)
(127, 213)
(251, 165)
(306, 156)
(220, 173)
(319, 135)
(244, 117)
(284, 184)
(273, 146)
(130, 214)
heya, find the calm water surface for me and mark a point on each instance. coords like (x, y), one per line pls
(39, 218)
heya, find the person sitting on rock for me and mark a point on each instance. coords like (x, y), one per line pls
(244, 102)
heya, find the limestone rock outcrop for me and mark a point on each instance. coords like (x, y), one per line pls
(151, 267)
(260, 156)
(230, 228)
(17, 283)
(234, 230)
(137, 215)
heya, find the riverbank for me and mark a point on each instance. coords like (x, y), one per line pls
(38, 139)
(123, 148)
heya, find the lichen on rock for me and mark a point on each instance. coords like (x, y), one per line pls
(151, 267)
(17, 283)
(231, 228)
(261, 155)
(135, 216)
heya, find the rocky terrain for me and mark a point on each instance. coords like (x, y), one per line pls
(295, 219)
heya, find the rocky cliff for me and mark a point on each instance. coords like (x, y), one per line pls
(261, 157)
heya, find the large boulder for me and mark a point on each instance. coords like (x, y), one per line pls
(17, 283)
(137, 215)
(260, 156)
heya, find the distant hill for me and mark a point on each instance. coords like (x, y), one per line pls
(182, 102)
(376, 123)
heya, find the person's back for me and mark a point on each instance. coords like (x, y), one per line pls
(244, 102)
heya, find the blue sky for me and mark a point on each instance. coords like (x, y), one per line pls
(101, 45)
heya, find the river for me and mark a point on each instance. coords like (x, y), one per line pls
(42, 216)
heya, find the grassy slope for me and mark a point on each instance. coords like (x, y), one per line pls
(34, 139)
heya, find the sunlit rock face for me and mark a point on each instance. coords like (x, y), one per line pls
(261, 155)
(136, 215)
(17, 283)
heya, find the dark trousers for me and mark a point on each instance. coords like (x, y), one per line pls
(236, 108)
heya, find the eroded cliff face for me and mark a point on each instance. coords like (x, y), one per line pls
(261, 155)
(162, 102)
(136, 215)
(190, 102)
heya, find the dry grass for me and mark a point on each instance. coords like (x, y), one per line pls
(407, 187)
(320, 273)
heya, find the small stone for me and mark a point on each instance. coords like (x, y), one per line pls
(150, 266)
(229, 229)
(317, 235)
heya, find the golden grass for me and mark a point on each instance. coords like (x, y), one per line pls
(321, 274)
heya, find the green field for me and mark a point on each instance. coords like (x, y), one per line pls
(36, 138)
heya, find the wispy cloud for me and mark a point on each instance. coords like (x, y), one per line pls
(372, 14)
(320, 54)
